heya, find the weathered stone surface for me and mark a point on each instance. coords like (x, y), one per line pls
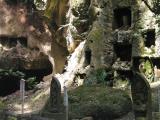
(18, 22)
(122, 65)
(13, 61)
(55, 95)
(95, 38)
(123, 37)
(141, 95)
(87, 118)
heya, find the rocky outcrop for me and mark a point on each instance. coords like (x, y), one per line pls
(22, 20)
(25, 38)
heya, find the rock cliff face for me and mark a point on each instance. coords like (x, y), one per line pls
(93, 34)
(77, 37)
(95, 23)
(115, 33)
(24, 38)
(122, 35)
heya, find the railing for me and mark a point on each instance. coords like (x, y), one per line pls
(22, 94)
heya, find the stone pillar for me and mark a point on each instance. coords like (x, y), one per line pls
(55, 95)
(141, 96)
(22, 94)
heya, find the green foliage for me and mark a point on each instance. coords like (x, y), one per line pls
(2, 105)
(31, 82)
(122, 83)
(148, 66)
(11, 72)
(99, 76)
(11, 118)
(147, 69)
(98, 101)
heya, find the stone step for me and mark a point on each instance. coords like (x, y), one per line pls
(155, 115)
(54, 116)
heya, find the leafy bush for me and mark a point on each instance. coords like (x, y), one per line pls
(147, 69)
(99, 76)
(11, 118)
(31, 82)
(11, 72)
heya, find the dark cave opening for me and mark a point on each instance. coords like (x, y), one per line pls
(122, 17)
(155, 62)
(149, 36)
(38, 74)
(141, 113)
(10, 78)
(137, 61)
(88, 55)
(125, 74)
(9, 85)
(123, 51)
(10, 41)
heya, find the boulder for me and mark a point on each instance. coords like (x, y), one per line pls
(99, 102)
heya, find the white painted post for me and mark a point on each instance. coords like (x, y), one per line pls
(22, 94)
(66, 101)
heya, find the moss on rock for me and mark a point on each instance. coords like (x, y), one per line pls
(95, 42)
(99, 102)
(121, 3)
(99, 76)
